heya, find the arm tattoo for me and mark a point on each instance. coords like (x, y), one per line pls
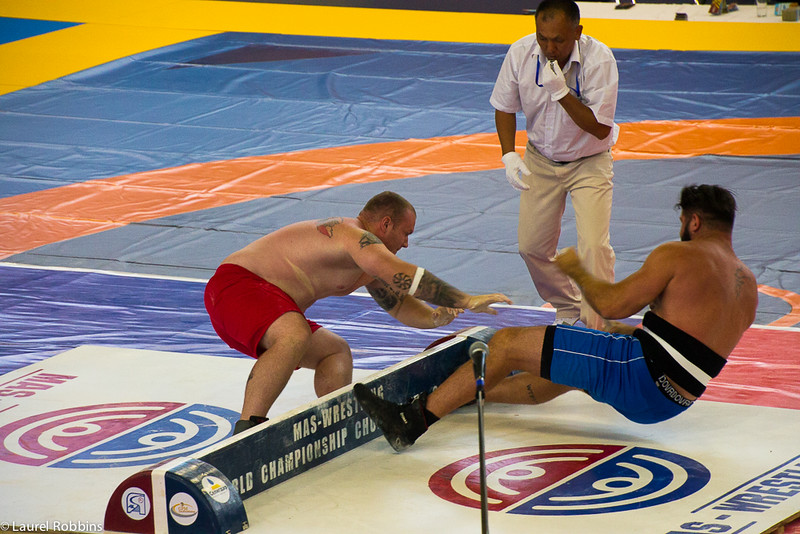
(326, 227)
(436, 291)
(367, 239)
(531, 395)
(385, 297)
(402, 281)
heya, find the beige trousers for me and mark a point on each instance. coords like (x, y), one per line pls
(588, 182)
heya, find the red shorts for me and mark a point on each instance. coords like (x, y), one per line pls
(242, 306)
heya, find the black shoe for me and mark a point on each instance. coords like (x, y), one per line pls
(401, 424)
(244, 424)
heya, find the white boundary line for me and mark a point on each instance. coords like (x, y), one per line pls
(101, 271)
(355, 293)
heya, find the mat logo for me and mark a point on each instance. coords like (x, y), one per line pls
(571, 479)
(114, 435)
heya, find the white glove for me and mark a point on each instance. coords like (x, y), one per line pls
(514, 166)
(554, 82)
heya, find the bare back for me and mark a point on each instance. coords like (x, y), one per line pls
(710, 294)
(309, 260)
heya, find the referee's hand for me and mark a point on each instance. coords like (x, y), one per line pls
(515, 167)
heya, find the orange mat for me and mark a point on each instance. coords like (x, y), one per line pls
(35, 219)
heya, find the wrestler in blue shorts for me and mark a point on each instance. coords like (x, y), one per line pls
(701, 299)
(637, 374)
(613, 369)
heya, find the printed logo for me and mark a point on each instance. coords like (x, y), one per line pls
(183, 509)
(216, 489)
(571, 479)
(114, 435)
(136, 503)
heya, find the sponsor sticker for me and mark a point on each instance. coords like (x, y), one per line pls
(136, 503)
(216, 489)
(183, 509)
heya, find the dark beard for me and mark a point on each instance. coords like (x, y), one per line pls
(686, 235)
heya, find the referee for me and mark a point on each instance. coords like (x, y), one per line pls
(566, 85)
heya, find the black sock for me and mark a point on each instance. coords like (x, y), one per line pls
(430, 418)
(244, 424)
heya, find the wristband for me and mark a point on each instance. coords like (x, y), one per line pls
(415, 282)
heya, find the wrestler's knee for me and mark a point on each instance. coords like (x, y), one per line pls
(329, 353)
(333, 372)
(504, 344)
(340, 362)
(289, 334)
(516, 347)
(338, 350)
(342, 347)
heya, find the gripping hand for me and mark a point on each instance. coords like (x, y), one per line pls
(443, 316)
(515, 166)
(554, 82)
(481, 303)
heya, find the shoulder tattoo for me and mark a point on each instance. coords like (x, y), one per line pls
(325, 227)
(368, 238)
(740, 279)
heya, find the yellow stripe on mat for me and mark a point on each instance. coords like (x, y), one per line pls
(52, 55)
(113, 30)
(716, 33)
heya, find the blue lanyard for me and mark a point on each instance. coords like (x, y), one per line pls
(577, 89)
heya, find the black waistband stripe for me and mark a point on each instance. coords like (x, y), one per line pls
(698, 354)
(547, 351)
(662, 382)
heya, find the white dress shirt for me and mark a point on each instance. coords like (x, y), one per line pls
(591, 75)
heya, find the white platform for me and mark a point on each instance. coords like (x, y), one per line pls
(105, 375)
(373, 489)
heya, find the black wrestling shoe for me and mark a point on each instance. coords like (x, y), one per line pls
(244, 424)
(401, 424)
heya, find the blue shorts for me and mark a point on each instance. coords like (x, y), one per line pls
(611, 368)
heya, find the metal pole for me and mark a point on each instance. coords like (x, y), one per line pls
(477, 353)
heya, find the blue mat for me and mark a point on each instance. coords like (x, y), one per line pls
(236, 95)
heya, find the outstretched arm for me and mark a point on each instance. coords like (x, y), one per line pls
(404, 300)
(622, 299)
(396, 281)
(436, 291)
(409, 310)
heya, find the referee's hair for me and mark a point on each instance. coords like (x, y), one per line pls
(549, 7)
